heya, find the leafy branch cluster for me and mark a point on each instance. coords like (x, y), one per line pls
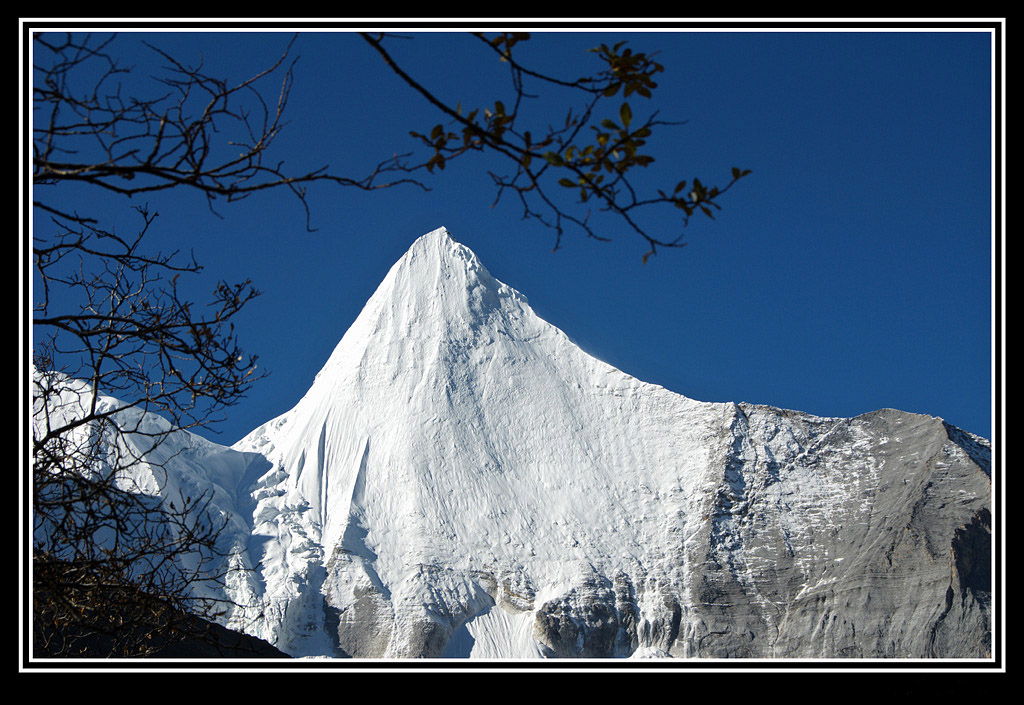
(595, 151)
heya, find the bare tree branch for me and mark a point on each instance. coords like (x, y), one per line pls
(594, 158)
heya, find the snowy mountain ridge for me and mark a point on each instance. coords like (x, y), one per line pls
(462, 480)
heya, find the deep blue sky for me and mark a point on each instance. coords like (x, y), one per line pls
(850, 271)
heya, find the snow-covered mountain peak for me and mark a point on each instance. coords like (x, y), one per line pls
(436, 301)
(439, 246)
(440, 276)
(461, 479)
(453, 426)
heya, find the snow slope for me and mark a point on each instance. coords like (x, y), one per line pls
(461, 479)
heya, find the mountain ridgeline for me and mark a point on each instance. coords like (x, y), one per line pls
(461, 480)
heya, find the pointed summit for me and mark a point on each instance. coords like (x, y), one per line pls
(436, 298)
(440, 243)
(439, 274)
(438, 265)
(438, 254)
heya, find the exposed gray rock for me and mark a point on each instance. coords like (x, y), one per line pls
(582, 623)
(841, 538)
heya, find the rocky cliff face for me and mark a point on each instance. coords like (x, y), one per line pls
(841, 538)
(462, 480)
